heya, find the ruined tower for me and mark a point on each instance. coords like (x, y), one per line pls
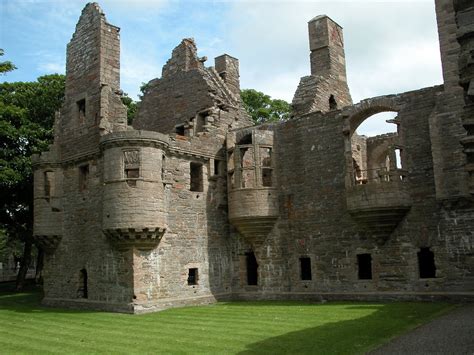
(326, 88)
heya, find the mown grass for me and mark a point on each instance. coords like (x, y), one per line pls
(222, 328)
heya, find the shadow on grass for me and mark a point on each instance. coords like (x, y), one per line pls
(362, 327)
(28, 300)
(355, 336)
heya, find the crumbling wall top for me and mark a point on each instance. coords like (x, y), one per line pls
(184, 58)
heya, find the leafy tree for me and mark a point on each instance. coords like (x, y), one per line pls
(132, 107)
(27, 112)
(5, 66)
(262, 108)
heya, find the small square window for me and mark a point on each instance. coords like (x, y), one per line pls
(179, 130)
(132, 173)
(193, 276)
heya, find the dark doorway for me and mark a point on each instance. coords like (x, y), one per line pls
(82, 290)
(305, 264)
(364, 262)
(426, 263)
(252, 269)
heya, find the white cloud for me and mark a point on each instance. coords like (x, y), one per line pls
(52, 67)
(137, 68)
(390, 47)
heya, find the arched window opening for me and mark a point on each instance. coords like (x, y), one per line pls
(82, 290)
(247, 139)
(375, 146)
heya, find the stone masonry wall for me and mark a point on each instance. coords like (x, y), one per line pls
(139, 220)
(314, 221)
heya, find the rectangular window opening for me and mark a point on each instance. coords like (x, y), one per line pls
(305, 264)
(179, 130)
(48, 184)
(81, 110)
(163, 167)
(266, 177)
(196, 177)
(426, 263)
(192, 276)
(231, 179)
(252, 269)
(201, 121)
(266, 157)
(131, 162)
(83, 177)
(217, 167)
(364, 262)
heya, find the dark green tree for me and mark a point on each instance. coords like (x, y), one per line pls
(132, 107)
(27, 111)
(5, 66)
(262, 108)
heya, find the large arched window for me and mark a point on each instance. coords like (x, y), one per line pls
(376, 151)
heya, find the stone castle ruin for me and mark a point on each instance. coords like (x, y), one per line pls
(195, 204)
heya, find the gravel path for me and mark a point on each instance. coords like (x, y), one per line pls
(452, 333)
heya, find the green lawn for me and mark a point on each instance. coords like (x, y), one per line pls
(225, 328)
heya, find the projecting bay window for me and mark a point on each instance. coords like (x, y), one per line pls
(254, 167)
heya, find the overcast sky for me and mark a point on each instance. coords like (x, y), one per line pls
(391, 47)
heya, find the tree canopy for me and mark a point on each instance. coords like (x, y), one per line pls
(27, 111)
(262, 108)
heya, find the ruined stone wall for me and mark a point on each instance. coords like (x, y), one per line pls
(326, 88)
(176, 213)
(465, 36)
(315, 222)
(189, 95)
(91, 108)
(359, 154)
(381, 153)
(446, 120)
(84, 247)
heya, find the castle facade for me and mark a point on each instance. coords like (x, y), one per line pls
(195, 204)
